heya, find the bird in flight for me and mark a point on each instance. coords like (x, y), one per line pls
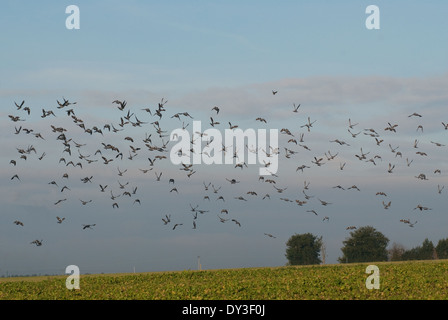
(232, 126)
(378, 141)
(121, 104)
(38, 243)
(221, 219)
(87, 226)
(280, 190)
(206, 186)
(340, 142)
(59, 201)
(176, 225)
(324, 203)
(19, 106)
(167, 219)
(350, 124)
(307, 196)
(123, 185)
(362, 156)
(421, 153)
(309, 124)
(216, 109)
(301, 167)
(53, 182)
(412, 224)
(237, 222)
(354, 135)
(421, 176)
(391, 127)
(84, 202)
(306, 185)
(212, 122)
(65, 103)
(437, 144)
(391, 167)
(422, 208)
(317, 161)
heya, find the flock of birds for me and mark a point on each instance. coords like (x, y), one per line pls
(149, 153)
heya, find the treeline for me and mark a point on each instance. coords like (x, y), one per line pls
(26, 275)
(365, 244)
(426, 251)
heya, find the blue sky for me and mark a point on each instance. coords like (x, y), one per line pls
(232, 54)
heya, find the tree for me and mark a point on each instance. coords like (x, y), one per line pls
(396, 252)
(411, 254)
(427, 251)
(424, 252)
(303, 249)
(442, 249)
(365, 244)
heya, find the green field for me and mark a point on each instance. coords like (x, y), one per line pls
(398, 281)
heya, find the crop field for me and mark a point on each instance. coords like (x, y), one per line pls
(419, 280)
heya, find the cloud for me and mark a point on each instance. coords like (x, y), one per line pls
(322, 94)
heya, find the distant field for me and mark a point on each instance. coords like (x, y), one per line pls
(398, 281)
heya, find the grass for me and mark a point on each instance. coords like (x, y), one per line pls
(416, 280)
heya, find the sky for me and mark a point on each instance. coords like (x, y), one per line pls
(191, 57)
